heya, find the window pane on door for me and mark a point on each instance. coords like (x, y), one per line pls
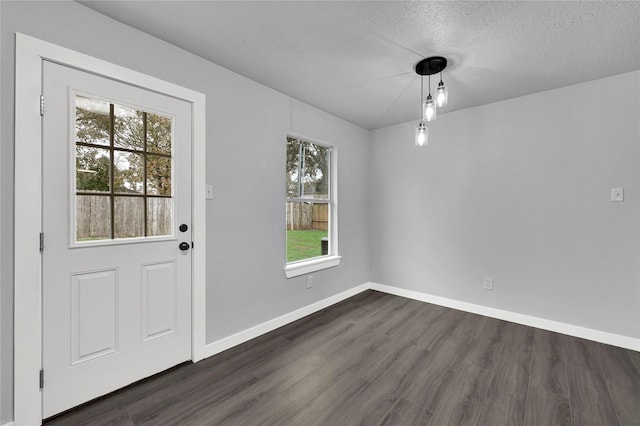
(158, 134)
(92, 121)
(159, 216)
(158, 175)
(128, 217)
(92, 169)
(128, 128)
(128, 172)
(93, 217)
(125, 155)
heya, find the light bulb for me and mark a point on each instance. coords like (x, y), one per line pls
(429, 109)
(442, 95)
(422, 134)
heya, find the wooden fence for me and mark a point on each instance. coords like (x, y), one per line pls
(307, 216)
(93, 220)
(320, 217)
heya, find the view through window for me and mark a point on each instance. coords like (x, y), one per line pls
(123, 172)
(308, 199)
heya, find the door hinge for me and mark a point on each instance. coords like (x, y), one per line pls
(41, 379)
(41, 104)
(41, 242)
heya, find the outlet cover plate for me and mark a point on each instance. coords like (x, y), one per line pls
(487, 283)
(617, 194)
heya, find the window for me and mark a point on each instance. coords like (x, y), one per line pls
(123, 173)
(311, 207)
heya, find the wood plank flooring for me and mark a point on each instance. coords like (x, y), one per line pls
(378, 359)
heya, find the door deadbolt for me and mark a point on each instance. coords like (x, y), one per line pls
(183, 227)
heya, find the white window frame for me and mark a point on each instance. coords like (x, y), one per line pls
(30, 52)
(307, 266)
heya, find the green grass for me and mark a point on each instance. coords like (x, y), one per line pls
(304, 244)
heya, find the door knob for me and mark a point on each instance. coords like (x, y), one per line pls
(184, 246)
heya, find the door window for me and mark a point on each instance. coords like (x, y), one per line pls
(123, 172)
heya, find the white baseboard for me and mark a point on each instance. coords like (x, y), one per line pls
(545, 324)
(260, 329)
(8, 424)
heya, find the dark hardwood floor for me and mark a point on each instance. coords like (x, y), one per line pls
(379, 359)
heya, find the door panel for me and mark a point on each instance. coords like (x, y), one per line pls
(94, 311)
(158, 300)
(116, 286)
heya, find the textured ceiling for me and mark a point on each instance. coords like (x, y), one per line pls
(355, 59)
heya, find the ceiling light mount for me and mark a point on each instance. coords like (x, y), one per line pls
(431, 65)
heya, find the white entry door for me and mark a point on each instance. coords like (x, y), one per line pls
(117, 235)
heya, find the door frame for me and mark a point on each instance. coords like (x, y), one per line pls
(30, 52)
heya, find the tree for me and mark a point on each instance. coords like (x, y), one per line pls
(92, 169)
(307, 168)
(93, 126)
(92, 163)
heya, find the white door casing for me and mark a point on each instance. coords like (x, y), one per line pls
(30, 53)
(114, 310)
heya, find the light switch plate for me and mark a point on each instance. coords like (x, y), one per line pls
(617, 194)
(209, 192)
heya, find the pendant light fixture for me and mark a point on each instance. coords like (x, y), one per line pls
(428, 108)
(422, 132)
(442, 95)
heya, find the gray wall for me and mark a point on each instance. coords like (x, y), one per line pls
(519, 191)
(246, 128)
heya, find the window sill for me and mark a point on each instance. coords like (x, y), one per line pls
(308, 266)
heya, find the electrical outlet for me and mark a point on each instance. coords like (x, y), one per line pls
(487, 283)
(309, 281)
(617, 194)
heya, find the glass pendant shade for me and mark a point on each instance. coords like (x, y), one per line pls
(422, 134)
(429, 109)
(442, 95)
